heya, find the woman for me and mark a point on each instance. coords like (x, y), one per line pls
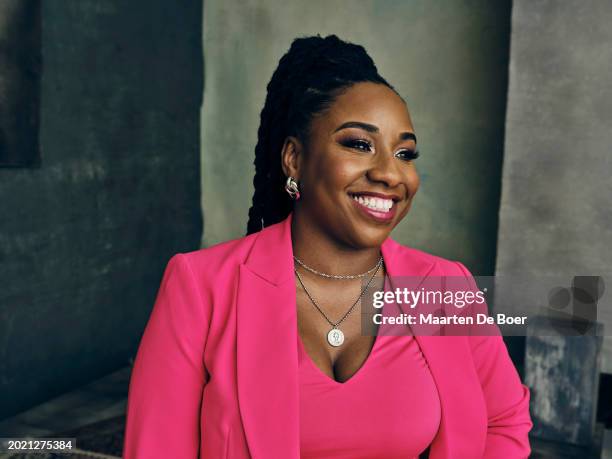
(254, 346)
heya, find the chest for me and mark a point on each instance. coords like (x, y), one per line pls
(390, 408)
(319, 309)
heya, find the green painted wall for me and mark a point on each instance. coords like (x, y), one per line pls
(448, 59)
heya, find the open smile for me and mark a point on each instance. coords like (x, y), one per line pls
(378, 207)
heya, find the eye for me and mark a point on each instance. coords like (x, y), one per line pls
(358, 144)
(407, 155)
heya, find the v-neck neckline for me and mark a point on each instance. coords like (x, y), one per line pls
(364, 365)
(309, 361)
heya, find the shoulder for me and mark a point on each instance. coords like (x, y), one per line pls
(218, 261)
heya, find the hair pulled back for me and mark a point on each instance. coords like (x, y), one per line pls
(306, 82)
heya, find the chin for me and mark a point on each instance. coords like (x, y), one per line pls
(365, 237)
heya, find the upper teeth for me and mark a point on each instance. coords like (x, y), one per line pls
(374, 203)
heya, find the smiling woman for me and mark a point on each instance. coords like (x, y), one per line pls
(255, 347)
(361, 171)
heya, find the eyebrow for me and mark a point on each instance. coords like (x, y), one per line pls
(371, 128)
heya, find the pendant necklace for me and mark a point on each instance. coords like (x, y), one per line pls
(335, 337)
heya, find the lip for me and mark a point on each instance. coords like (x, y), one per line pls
(380, 217)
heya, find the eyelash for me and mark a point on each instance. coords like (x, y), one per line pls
(355, 143)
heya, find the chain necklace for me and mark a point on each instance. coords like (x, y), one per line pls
(335, 337)
(340, 276)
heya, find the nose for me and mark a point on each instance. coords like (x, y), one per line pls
(385, 169)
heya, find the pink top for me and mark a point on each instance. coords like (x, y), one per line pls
(389, 408)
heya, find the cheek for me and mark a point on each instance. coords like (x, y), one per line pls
(337, 173)
(413, 181)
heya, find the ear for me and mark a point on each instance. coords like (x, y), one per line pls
(291, 157)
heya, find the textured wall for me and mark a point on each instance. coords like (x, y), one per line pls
(20, 45)
(84, 238)
(448, 59)
(555, 214)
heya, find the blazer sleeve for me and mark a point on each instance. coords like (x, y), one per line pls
(165, 390)
(506, 398)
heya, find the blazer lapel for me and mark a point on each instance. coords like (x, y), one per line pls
(449, 361)
(267, 360)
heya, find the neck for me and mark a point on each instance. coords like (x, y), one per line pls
(324, 253)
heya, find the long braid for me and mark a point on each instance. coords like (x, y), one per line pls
(308, 78)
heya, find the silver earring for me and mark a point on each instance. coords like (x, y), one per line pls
(291, 187)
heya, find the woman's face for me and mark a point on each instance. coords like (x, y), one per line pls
(356, 172)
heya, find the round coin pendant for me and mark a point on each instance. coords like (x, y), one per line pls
(335, 337)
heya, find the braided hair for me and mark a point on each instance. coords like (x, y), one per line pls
(309, 77)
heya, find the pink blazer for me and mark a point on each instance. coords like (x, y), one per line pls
(216, 374)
